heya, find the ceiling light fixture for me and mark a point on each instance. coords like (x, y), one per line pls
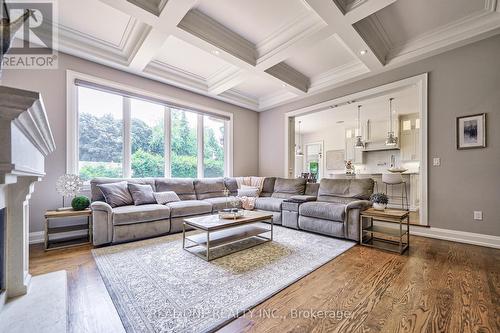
(283, 85)
(391, 140)
(359, 142)
(363, 52)
(216, 52)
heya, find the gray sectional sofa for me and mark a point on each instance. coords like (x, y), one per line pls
(335, 213)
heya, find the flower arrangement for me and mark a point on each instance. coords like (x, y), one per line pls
(379, 200)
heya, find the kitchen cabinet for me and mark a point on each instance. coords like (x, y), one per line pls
(410, 137)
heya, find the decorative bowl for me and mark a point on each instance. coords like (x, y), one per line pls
(379, 206)
(397, 170)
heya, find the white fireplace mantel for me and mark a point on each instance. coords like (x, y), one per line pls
(25, 141)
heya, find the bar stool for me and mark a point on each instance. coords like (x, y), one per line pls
(391, 179)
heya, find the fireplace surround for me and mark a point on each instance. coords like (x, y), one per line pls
(25, 140)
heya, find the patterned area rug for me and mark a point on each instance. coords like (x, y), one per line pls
(157, 286)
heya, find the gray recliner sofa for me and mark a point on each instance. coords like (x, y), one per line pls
(336, 212)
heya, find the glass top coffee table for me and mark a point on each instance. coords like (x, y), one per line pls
(216, 232)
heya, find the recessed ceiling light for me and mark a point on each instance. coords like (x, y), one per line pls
(340, 122)
(216, 52)
(283, 85)
(363, 52)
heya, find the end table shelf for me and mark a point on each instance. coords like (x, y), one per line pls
(384, 238)
(68, 240)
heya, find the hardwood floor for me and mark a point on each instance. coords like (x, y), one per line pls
(437, 286)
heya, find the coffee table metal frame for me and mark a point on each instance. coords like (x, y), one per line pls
(226, 232)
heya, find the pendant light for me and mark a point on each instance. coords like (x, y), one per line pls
(391, 139)
(359, 142)
(298, 148)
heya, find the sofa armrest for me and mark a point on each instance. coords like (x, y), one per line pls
(358, 204)
(102, 223)
(302, 198)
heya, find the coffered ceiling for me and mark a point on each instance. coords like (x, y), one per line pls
(263, 53)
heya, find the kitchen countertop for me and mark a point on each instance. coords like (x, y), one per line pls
(371, 174)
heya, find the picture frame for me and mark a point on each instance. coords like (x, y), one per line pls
(471, 131)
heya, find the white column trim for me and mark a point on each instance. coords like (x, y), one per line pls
(167, 129)
(127, 138)
(201, 147)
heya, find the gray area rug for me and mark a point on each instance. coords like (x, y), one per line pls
(157, 286)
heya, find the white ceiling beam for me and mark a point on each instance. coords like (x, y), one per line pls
(366, 9)
(207, 34)
(335, 18)
(133, 10)
(226, 80)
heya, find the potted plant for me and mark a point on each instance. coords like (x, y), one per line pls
(379, 200)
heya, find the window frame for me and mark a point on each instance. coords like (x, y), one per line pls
(72, 126)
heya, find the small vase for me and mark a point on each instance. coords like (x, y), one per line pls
(379, 206)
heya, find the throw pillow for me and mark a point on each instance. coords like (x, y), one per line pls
(248, 203)
(142, 194)
(248, 192)
(163, 198)
(116, 194)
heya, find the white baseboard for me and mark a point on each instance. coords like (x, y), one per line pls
(37, 237)
(452, 235)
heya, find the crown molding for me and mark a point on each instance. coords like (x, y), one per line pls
(275, 98)
(225, 79)
(338, 74)
(176, 76)
(241, 98)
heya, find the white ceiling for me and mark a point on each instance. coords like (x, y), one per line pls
(373, 108)
(263, 53)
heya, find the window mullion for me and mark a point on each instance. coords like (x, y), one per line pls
(201, 147)
(127, 142)
(167, 141)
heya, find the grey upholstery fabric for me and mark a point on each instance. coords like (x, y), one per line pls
(184, 187)
(290, 219)
(323, 210)
(163, 198)
(177, 222)
(96, 194)
(312, 189)
(141, 194)
(268, 186)
(220, 203)
(116, 194)
(231, 185)
(189, 208)
(268, 204)
(209, 188)
(130, 232)
(345, 188)
(303, 198)
(276, 216)
(248, 192)
(139, 214)
(285, 188)
(102, 224)
(325, 227)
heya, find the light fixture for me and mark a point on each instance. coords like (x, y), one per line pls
(391, 139)
(359, 143)
(283, 85)
(298, 148)
(216, 52)
(363, 52)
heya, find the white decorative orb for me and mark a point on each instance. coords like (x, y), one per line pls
(69, 185)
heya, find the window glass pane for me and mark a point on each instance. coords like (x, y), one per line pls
(147, 139)
(213, 146)
(100, 134)
(184, 160)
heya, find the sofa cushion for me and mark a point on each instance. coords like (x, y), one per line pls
(139, 214)
(141, 194)
(116, 194)
(96, 194)
(189, 208)
(345, 188)
(267, 186)
(285, 188)
(323, 210)
(220, 203)
(163, 198)
(268, 204)
(209, 188)
(184, 187)
(231, 185)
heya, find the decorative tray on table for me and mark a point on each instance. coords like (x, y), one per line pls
(231, 213)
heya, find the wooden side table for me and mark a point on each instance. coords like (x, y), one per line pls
(389, 239)
(68, 241)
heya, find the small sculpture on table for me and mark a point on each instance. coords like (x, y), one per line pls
(349, 168)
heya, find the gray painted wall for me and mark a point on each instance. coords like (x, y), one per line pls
(461, 82)
(52, 85)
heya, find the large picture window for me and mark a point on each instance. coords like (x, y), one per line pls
(121, 134)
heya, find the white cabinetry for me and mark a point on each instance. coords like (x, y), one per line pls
(410, 138)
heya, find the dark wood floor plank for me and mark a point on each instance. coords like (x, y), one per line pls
(437, 286)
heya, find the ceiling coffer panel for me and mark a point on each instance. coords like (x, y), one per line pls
(153, 6)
